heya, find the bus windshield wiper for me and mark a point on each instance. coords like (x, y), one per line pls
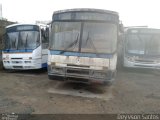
(14, 43)
(26, 41)
(71, 45)
(93, 46)
(19, 39)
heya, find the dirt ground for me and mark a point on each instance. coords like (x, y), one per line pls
(134, 91)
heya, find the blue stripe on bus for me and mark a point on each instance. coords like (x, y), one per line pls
(17, 51)
(92, 55)
(44, 65)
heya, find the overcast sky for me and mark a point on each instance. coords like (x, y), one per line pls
(131, 12)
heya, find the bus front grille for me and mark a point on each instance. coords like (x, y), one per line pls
(17, 62)
(18, 67)
(78, 79)
(77, 71)
(16, 58)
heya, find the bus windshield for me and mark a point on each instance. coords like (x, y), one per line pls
(143, 44)
(22, 40)
(96, 37)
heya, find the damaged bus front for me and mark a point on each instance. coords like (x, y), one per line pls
(83, 46)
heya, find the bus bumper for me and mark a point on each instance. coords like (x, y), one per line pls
(90, 77)
(22, 64)
(132, 64)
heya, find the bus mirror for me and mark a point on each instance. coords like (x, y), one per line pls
(45, 33)
(42, 31)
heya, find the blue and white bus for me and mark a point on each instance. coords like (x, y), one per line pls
(26, 47)
(83, 45)
(141, 48)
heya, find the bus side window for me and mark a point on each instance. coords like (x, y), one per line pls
(45, 38)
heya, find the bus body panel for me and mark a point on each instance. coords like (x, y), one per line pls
(21, 63)
(44, 57)
(23, 60)
(95, 62)
(99, 70)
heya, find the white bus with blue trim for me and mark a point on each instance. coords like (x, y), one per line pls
(141, 48)
(83, 45)
(26, 47)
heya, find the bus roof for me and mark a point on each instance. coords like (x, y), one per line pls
(17, 24)
(86, 10)
(142, 30)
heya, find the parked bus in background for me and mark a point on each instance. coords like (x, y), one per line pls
(25, 47)
(142, 48)
(83, 46)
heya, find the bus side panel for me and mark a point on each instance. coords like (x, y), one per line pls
(37, 57)
(44, 57)
(113, 63)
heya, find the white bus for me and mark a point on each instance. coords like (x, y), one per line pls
(25, 47)
(141, 48)
(83, 45)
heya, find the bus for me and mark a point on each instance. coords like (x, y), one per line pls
(141, 48)
(25, 47)
(83, 46)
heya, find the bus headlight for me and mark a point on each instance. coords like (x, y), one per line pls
(157, 61)
(131, 58)
(99, 74)
(49, 68)
(104, 74)
(58, 70)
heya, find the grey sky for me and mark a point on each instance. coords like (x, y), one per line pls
(132, 12)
